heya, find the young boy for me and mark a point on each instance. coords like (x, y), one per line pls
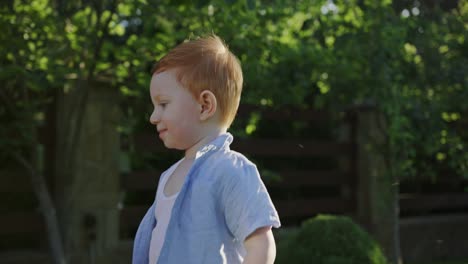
(211, 206)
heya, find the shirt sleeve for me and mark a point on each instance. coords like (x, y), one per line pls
(143, 238)
(247, 204)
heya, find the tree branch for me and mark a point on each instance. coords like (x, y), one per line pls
(47, 208)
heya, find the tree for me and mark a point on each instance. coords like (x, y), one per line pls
(23, 96)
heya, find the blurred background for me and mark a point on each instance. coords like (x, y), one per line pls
(356, 109)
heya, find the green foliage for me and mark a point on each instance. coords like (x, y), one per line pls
(326, 54)
(328, 239)
(27, 29)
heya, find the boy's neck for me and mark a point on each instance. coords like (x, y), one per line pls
(205, 139)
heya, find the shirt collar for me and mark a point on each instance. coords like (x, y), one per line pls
(221, 142)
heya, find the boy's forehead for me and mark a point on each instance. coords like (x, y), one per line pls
(159, 80)
(163, 79)
(164, 84)
(169, 75)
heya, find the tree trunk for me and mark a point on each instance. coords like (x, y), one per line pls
(47, 209)
(378, 191)
(396, 232)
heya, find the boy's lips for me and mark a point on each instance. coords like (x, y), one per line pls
(162, 132)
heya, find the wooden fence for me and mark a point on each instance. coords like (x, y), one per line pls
(446, 194)
(306, 173)
(292, 184)
(23, 236)
(21, 226)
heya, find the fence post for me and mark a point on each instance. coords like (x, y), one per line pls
(87, 169)
(377, 190)
(345, 133)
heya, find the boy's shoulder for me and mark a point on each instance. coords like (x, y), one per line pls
(228, 165)
(231, 159)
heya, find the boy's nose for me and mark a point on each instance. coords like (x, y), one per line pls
(154, 118)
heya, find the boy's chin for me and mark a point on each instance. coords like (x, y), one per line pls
(167, 144)
(170, 145)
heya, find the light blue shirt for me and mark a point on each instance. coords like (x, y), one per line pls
(222, 201)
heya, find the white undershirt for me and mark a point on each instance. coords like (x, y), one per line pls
(162, 213)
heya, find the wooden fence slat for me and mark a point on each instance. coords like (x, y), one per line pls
(313, 206)
(418, 203)
(21, 222)
(140, 180)
(25, 256)
(283, 114)
(147, 180)
(294, 178)
(131, 216)
(291, 147)
(149, 142)
(263, 147)
(13, 183)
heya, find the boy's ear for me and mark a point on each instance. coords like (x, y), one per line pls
(208, 104)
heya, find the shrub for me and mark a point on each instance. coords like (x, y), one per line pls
(328, 239)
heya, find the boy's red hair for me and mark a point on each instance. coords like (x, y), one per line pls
(207, 64)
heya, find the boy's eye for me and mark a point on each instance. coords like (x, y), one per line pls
(162, 104)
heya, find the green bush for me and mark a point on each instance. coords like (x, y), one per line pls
(328, 239)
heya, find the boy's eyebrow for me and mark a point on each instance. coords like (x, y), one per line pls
(158, 97)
